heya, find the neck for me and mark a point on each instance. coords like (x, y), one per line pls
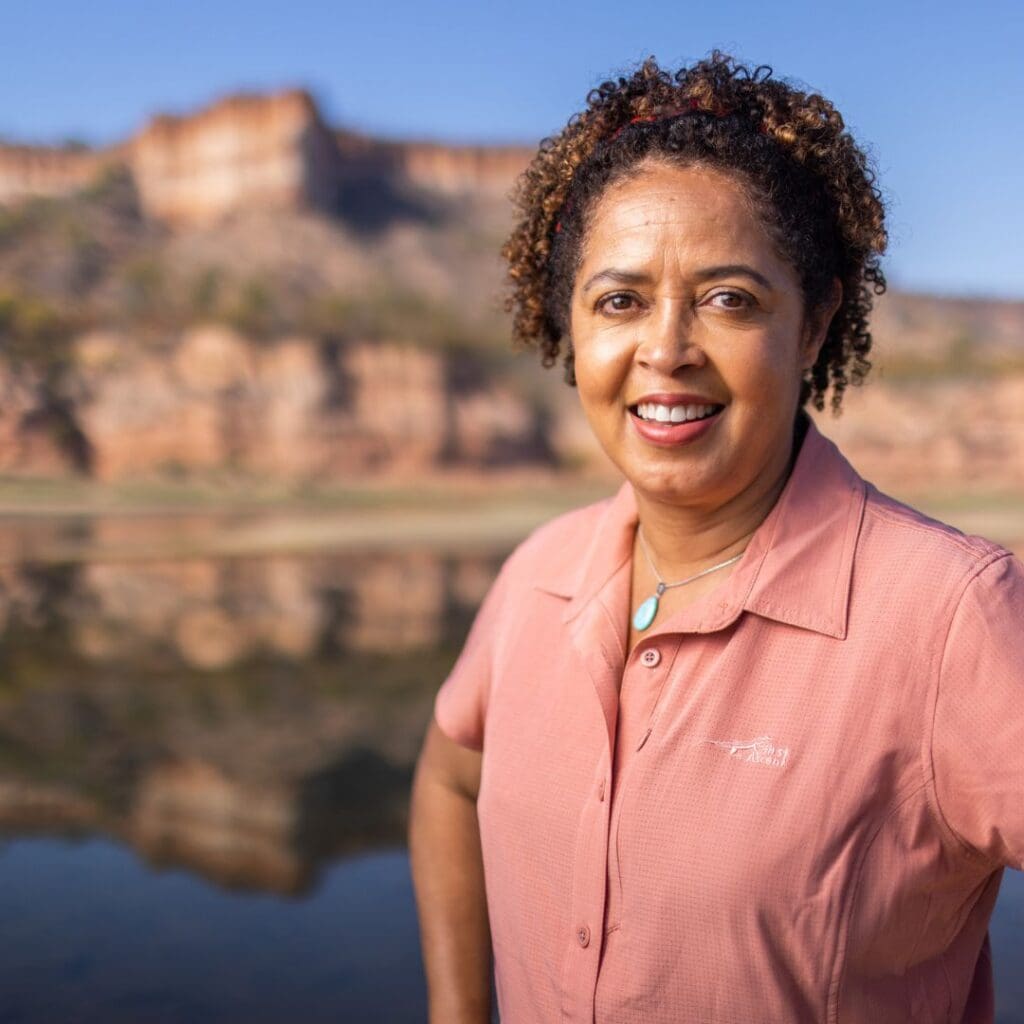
(683, 539)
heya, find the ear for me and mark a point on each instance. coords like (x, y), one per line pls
(817, 322)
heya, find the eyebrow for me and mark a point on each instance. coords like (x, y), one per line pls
(704, 274)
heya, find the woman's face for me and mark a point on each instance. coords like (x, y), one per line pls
(689, 337)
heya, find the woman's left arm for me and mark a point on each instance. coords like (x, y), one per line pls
(977, 735)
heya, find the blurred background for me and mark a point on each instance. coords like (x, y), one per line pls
(264, 441)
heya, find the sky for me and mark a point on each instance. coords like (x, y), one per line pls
(934, 92)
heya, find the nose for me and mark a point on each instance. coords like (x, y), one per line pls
(666, 343)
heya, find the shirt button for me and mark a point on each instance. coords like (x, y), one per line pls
(600, 791)
(651, 657)
(583, 935)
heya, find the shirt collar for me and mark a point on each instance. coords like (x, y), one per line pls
(796, 569)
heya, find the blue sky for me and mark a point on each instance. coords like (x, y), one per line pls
(934, 91)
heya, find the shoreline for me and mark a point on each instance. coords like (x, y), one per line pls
(48, 522)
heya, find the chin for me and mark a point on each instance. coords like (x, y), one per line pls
(673, 484)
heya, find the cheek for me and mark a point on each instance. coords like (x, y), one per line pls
(602, 360)
(770, 372)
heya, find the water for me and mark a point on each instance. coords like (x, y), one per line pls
(93, 933)
(204, 772)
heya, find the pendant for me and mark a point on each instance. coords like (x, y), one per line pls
(645, 613)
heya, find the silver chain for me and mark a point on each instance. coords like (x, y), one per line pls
(662, 585)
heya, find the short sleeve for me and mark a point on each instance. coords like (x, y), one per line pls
(978, 728)
(460, 706)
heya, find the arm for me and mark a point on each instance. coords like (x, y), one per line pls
(977, 742)
(447, 871)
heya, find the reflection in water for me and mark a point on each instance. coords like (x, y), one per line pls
(248, 718)
(253, 721)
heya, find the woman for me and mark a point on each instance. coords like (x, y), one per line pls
(743, 742)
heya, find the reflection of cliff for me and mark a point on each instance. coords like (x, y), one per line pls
(267, 835)
(215, 614)
(248, 719)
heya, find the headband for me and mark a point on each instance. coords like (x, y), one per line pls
(692, 107)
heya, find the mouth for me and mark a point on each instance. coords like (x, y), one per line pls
(672, 423)
(656, 412)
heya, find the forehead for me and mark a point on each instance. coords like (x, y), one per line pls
(692, 212)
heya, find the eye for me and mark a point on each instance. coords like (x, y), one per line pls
(731, 300)
(617, 302)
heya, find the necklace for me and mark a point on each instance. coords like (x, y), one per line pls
(645, 613)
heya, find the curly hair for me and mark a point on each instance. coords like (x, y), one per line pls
(788, 149)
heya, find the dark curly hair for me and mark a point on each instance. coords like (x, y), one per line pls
(788, 149)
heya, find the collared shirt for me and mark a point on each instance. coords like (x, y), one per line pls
(792, 801)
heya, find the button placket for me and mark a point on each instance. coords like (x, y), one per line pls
(664, 678)
(587, 903)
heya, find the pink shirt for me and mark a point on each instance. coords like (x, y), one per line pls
(820, 770)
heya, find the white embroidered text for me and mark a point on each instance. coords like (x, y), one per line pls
(758, 751)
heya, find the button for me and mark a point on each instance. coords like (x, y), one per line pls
(583, 935)
(651, 657)
(600, 791)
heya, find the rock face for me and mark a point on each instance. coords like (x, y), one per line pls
(905, 436)
(292, 409)
(935, 435)
(255, 151)
(27, 171)
(30, 439)
(246, 151)
(462, 169)
(296, 407)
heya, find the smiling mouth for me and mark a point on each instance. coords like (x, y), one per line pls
(655, 412)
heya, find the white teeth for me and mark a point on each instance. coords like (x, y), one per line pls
(672, 413)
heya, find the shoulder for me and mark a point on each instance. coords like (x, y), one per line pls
(551, 555)
(923, 553)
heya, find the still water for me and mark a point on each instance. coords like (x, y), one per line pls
(204, 770)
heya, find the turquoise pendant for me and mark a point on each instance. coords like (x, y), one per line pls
(645, 613)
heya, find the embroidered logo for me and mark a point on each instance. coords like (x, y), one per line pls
(759, 751)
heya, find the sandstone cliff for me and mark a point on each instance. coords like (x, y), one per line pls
(255, 151)
(247, 287)
(295, 408)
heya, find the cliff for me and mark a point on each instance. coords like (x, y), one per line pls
(294, 408)
(255, 151)
(249, 288)
(243, 152)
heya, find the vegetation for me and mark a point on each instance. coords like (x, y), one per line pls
(93, 257)
(963, 357)
(33, 332)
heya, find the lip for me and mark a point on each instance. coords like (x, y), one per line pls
(673, 435)
(675, 398)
